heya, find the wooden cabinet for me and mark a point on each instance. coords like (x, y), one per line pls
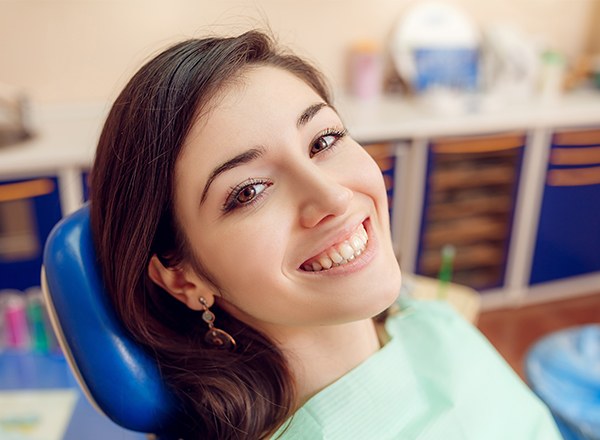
(471, 187)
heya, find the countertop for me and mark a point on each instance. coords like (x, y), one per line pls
(399, 118)
(66, 135)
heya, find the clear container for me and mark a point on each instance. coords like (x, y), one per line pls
(552, 76)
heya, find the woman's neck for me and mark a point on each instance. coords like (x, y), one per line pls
(322, 355)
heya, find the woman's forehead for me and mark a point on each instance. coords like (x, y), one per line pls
(262, 100)
(270, 89)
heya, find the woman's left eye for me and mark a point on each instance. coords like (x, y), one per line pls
(325, 141)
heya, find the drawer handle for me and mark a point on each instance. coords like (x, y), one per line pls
(478, 145)
(574, 177)
(589, 137)
(575, 156)
(25, 190)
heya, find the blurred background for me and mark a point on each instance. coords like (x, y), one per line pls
(483, 115)
(63, 51)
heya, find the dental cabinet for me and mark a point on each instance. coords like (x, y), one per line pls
(515, 190)
(29, 208)
(42, 179)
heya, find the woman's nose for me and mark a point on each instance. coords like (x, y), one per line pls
(322, 198)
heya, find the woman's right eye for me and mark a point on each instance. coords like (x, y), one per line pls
(245, 194)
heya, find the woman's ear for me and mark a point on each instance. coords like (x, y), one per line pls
(182, 283)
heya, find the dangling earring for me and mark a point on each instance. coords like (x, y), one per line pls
(215, 337)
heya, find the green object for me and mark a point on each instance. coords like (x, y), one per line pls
(553, 57)
(445, 275)
(39, 335)
(438, 378)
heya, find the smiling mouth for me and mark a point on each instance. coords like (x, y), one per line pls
(339, 254)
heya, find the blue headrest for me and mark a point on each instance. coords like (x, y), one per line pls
(123, 380)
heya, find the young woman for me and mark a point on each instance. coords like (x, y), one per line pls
(244, 239)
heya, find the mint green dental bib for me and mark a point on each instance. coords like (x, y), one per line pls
(438, 378)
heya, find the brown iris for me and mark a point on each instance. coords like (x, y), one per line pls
(247, 194)
(319, 145)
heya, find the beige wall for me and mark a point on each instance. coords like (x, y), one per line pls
(81, 50)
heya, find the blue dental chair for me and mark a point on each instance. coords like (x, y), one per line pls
(563, 369)
(119, 378)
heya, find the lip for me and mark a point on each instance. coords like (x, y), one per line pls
(359, 262)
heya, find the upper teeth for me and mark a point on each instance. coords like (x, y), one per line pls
(341, 253)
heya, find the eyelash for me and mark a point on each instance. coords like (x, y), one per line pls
(336, 133)
(232, 202)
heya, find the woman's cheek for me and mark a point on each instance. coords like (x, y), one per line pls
(371, 176)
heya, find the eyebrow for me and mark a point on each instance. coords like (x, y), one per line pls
(240, 159)
(310, 113)
(255, 153)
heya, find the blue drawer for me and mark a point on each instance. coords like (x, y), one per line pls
(568, 237)
(29, 208)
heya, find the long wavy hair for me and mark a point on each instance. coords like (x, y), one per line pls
(244, 394)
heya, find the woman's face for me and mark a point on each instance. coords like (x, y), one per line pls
(284, 210)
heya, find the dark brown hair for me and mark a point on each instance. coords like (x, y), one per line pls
(242, 394)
